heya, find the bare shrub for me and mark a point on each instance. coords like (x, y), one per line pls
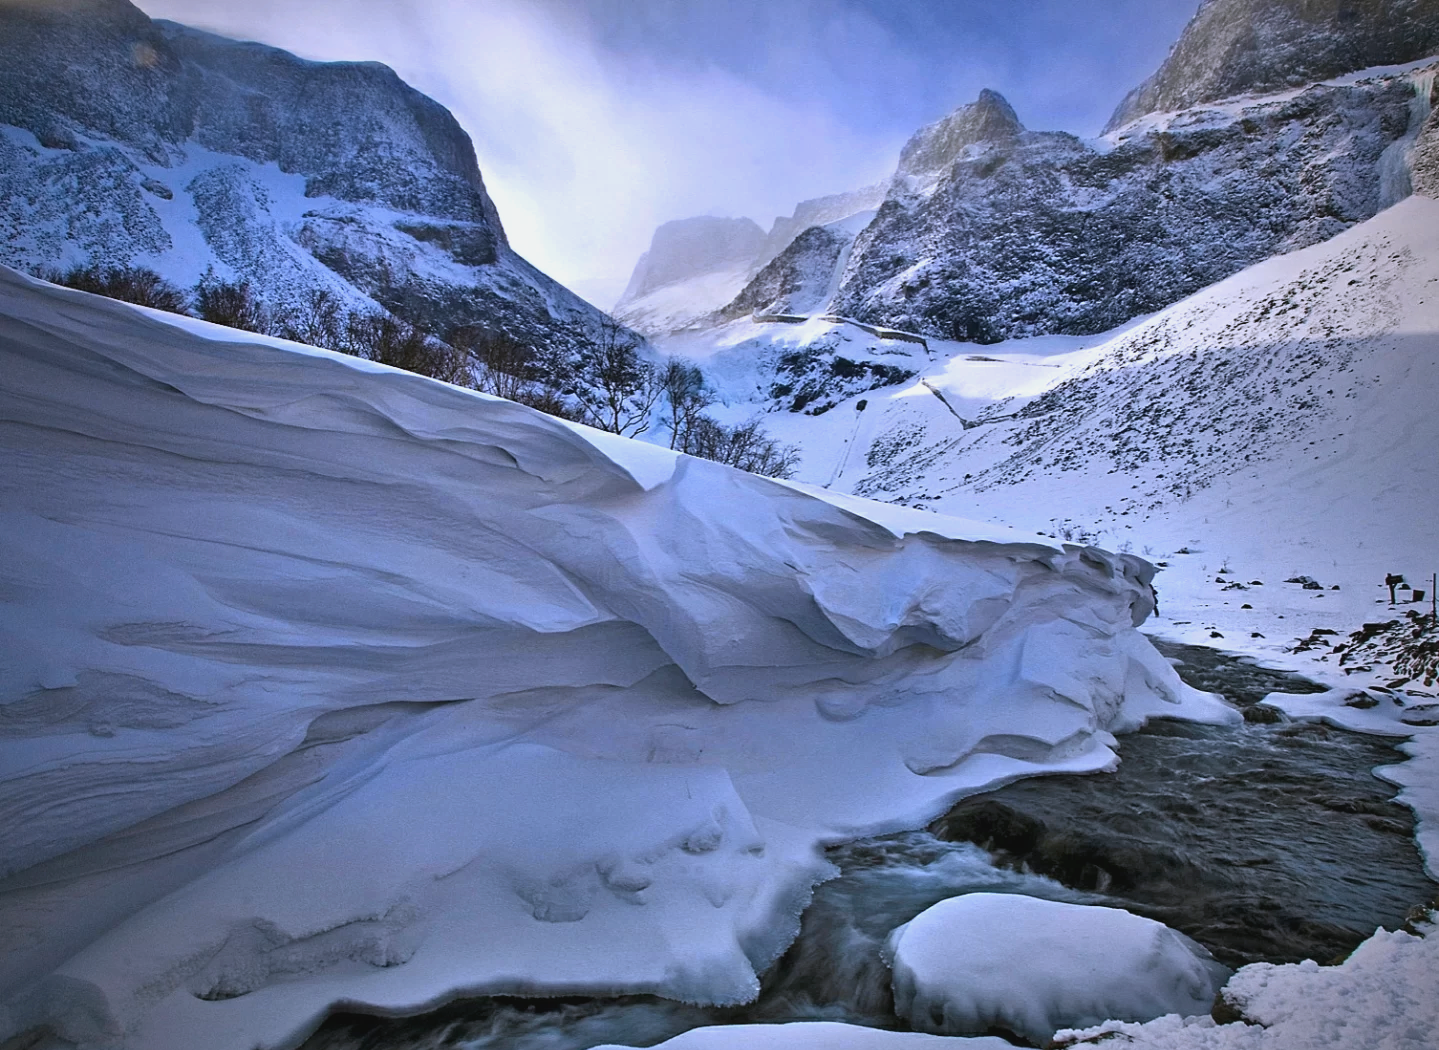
(130, 284)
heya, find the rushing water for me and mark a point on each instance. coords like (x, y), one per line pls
(1268, 841)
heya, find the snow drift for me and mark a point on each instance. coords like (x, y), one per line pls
(331, 684)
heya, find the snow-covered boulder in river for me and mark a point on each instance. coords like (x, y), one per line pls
(1031, 967)
(328, 683)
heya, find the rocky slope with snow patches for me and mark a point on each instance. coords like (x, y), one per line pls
(1017, 233)
(821, 211)
(1238, 47)
(1312, 356)
(332, 683)
(127, 141)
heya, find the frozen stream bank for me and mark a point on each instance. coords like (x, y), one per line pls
(1268, 841)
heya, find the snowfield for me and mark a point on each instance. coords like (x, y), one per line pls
(331, 684)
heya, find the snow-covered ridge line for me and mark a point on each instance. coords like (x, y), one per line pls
(331, 683)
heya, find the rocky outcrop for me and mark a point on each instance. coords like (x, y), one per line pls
(989, 121)
(821, 211)
(695, 268)
(133, 141)
(1234, 47)
(1424, 155)
(1026, 233)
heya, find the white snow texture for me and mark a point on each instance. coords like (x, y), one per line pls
(329, 683)
(1032, 967)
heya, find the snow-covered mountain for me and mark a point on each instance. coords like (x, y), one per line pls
(692, 266)
(127, 141)
(1237, 149)
(1001, 232)
(328, 683)
(988, 231)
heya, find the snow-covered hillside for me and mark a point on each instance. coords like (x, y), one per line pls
(329, 683)
(132, 142)
(1280, 424)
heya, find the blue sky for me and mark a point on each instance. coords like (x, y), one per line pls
(595, 120)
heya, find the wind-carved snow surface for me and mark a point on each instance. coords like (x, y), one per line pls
(331, 684)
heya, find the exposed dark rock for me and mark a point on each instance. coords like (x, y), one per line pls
(796, 280)
(1234, 47)
(932, 149)
(394, 207)
(1027, 233)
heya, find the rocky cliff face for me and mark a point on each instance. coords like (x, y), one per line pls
(796, 281)
(1234, 47)
(130, 141)
(1021, 233)
(821, 211)
(990, 121)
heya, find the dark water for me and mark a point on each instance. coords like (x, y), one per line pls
(1268, 841)
(1271, 841)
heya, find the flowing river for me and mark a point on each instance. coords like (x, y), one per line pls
(1269, 841)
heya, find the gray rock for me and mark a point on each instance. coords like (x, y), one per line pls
(1234, 47)
(1027, 233)
(821, 211)
(932, 149)
(796, 282)
(335, 175)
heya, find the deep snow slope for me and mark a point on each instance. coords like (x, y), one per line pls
(1237, 47)
(130, 141)
(1279, 424)
(329, 683)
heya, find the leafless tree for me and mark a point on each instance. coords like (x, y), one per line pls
(686, 396)
(319, 320)
(230, 303)
(746, 446)
(617, 389)
(390, 341)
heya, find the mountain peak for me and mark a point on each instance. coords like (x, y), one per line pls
(989, 119)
